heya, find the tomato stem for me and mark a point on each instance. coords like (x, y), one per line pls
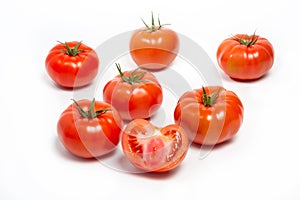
(153, 27)
(132, 78)
(209, 100)
(90, 114)
(71, 51)
(248, 41)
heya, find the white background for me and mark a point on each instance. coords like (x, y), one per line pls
(262, 162)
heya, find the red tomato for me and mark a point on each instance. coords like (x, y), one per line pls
(245, 57)
(154, 149)
(154, 47)
(135, 94)
(210, 115)
(72, 64)
(89, 129)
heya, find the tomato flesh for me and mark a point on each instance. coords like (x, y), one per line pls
(154, 149)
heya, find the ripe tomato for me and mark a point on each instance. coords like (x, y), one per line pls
(72, 64)
(245, 57)
(210, 115)
(154, 149)
(154, 47)
(135, 94)
(89, 129)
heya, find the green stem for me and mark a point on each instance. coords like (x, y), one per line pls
(71, 51)
(133, 77)
(153, 27)
(90, 114)
(209, 100)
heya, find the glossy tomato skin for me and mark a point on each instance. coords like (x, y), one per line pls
(245, 62)
(154, 149)
(154, 50)
(72, 71)
(209, 125)
(88, 138)
(140, 100)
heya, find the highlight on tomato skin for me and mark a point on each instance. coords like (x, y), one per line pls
(135, 93)
(72, 64)
(245, 57)
(210, 115)
(89, 129)
(154, 149)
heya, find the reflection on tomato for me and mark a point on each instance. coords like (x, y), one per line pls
(245, 57)
(210, 115)
(89, 129)
(135, 94)
(72, 64)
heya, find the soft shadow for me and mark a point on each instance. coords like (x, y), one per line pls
(251, 80)
(69, 156)
(159, 175)
(54, 85)
(212, 147)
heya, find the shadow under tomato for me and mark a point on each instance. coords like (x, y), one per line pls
(159, 175)
(250, 80)
(212, 147)
(54, 85)
(69, 156)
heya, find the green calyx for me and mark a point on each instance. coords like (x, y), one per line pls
(90, 114)
(71, 51)
(209, 100)
(248, 41)
(133, 77)
(153, 27)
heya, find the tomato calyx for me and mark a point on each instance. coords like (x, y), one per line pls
(209, 100)
(90, 114)
(153, 27)
(71, 51)
(246, 39)
(132, 78)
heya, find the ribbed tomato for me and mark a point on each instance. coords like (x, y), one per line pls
(245, 57)
(89, 128)
(135, 94)
(210, 115)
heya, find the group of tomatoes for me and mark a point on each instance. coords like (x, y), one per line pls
(207, 116)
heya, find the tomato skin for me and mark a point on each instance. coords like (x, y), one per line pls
(72, 71)
(154, 149)
(154, 50)
(209, 125)
(140, 100)
(243, 62)
(88, 138)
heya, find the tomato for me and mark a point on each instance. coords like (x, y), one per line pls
(245, 57)
(210, 115)
(154, 47)
(135, 94)
(89, 128)
(72, 64)
(154, 149)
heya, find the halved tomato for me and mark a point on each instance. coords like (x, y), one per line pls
(154, 149)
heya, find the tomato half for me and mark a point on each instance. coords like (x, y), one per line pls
(72, 64)
(89, 128)
(245, 57)
(154, 47)
(135, 94)
(210, 115)
(154, 149)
